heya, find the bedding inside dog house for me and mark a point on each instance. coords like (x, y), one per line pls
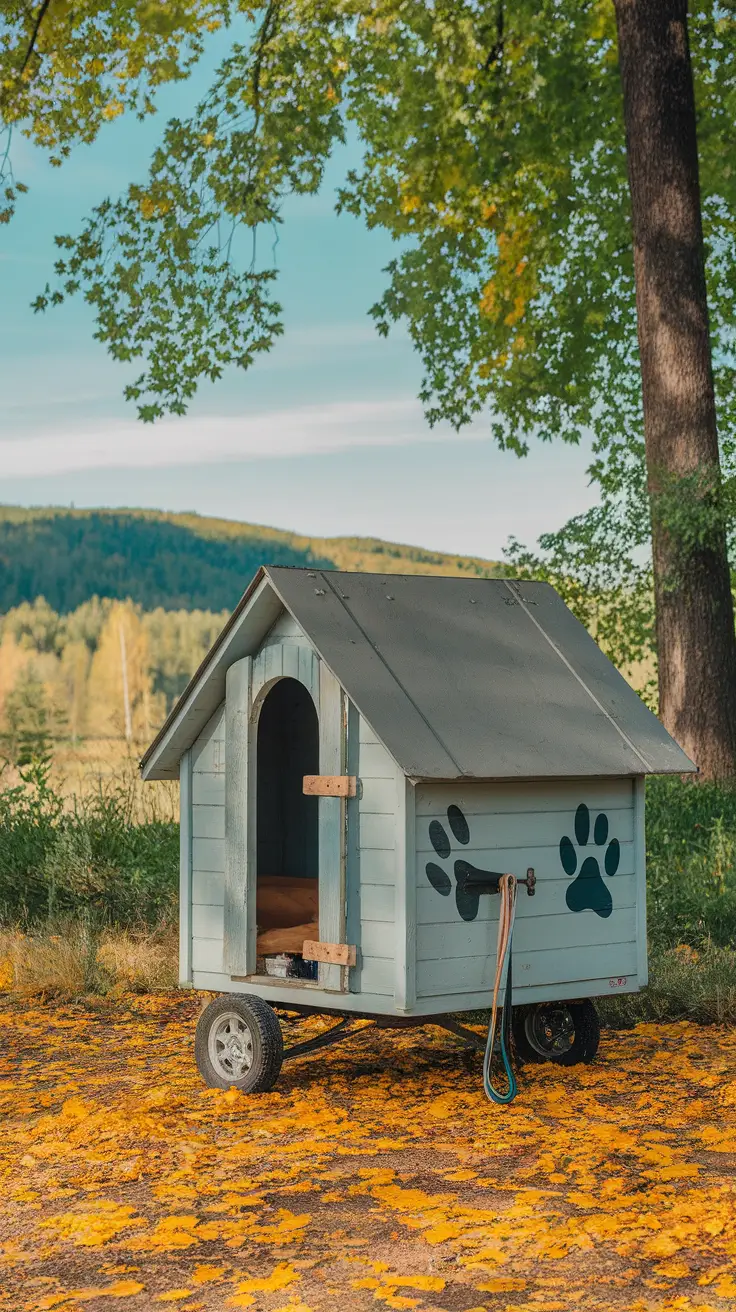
(449, 726)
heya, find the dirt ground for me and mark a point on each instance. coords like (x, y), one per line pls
(375, 1175)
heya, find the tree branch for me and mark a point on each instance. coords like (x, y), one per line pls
(34, 35)
(496, 50)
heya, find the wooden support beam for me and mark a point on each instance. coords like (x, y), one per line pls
(330, 785)
(335, 954)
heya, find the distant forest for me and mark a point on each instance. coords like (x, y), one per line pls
(176, 561)
(67, 558)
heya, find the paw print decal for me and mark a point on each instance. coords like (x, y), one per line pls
(466, 899)
(588, 892)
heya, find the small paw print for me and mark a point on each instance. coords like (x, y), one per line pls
(588, 892)
(466, 900)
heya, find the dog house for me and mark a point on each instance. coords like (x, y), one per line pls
(356, 753)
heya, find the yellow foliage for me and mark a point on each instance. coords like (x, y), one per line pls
(601, 1187)
(410, 204)
(120, 677)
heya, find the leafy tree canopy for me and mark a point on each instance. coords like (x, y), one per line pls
(492, 149)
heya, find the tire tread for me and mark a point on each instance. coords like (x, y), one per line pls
(268, 1044)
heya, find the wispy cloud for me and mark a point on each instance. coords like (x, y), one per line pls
(306, 430)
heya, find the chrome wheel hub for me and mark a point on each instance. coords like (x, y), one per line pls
(231, 1046)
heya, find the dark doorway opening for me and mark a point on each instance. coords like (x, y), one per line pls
(287, 821)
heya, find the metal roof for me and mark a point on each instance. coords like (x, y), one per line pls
(459, 677)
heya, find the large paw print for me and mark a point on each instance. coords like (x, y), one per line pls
(466, 899)
(588, 892)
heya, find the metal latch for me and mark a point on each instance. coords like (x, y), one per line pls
(488, 881)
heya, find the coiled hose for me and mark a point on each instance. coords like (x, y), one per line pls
(507, 913)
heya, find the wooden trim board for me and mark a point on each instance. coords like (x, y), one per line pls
(330, 785)
(335, 954)
(239, 915)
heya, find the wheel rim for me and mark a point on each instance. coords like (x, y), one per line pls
(550, 1030)
(231, 1046)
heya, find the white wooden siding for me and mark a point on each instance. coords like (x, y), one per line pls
(373, 837)
(208, 844)
(512, 827)
(286, 653)
(185, 870)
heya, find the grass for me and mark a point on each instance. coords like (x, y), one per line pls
(73, 959)
(685, 983)
(691, 863)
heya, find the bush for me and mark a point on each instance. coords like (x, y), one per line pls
(691, 863)
(91, 861)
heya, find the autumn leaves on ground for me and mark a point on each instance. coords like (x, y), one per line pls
(374, 1175)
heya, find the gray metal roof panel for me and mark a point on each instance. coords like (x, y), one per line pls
(659, 751)
(320, 602)
(477, 678)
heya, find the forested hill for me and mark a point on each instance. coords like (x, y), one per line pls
(175, 561)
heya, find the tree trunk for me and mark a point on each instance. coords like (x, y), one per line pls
(694, 607)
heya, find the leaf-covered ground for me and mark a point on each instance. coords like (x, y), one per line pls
(375, 1175)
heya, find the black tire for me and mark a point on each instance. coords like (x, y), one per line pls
(567, 1033)
(238, 1044)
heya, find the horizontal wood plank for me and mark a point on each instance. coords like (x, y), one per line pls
(207, 954)
(208, 854)
(208, 789)
(208, 888)
(459, 975)
(208, 921)
(377, 902)
(376, 762)
(284, 627)
(560, 932)
(432, 800)
(208, 821)
(532, 829)
(214, 731)
(377, 796)
(377, 975)
(548, 900)
(209, 758)
(545, 861)
(377, 831)
(377, 866)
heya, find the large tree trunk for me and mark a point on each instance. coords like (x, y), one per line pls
(694, 608)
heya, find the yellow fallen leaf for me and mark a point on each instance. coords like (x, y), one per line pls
(203, 1273)
(675, 1270)
(502, 1284)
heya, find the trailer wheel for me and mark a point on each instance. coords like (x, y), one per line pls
(238, 1044)
(567, 1033)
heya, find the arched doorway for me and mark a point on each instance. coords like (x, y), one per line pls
(286, 821)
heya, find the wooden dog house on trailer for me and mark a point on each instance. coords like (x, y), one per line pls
(355, 752)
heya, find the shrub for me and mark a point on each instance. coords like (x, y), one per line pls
(92, 860)
(691, 863)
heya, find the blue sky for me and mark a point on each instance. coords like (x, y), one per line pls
(324, 436)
